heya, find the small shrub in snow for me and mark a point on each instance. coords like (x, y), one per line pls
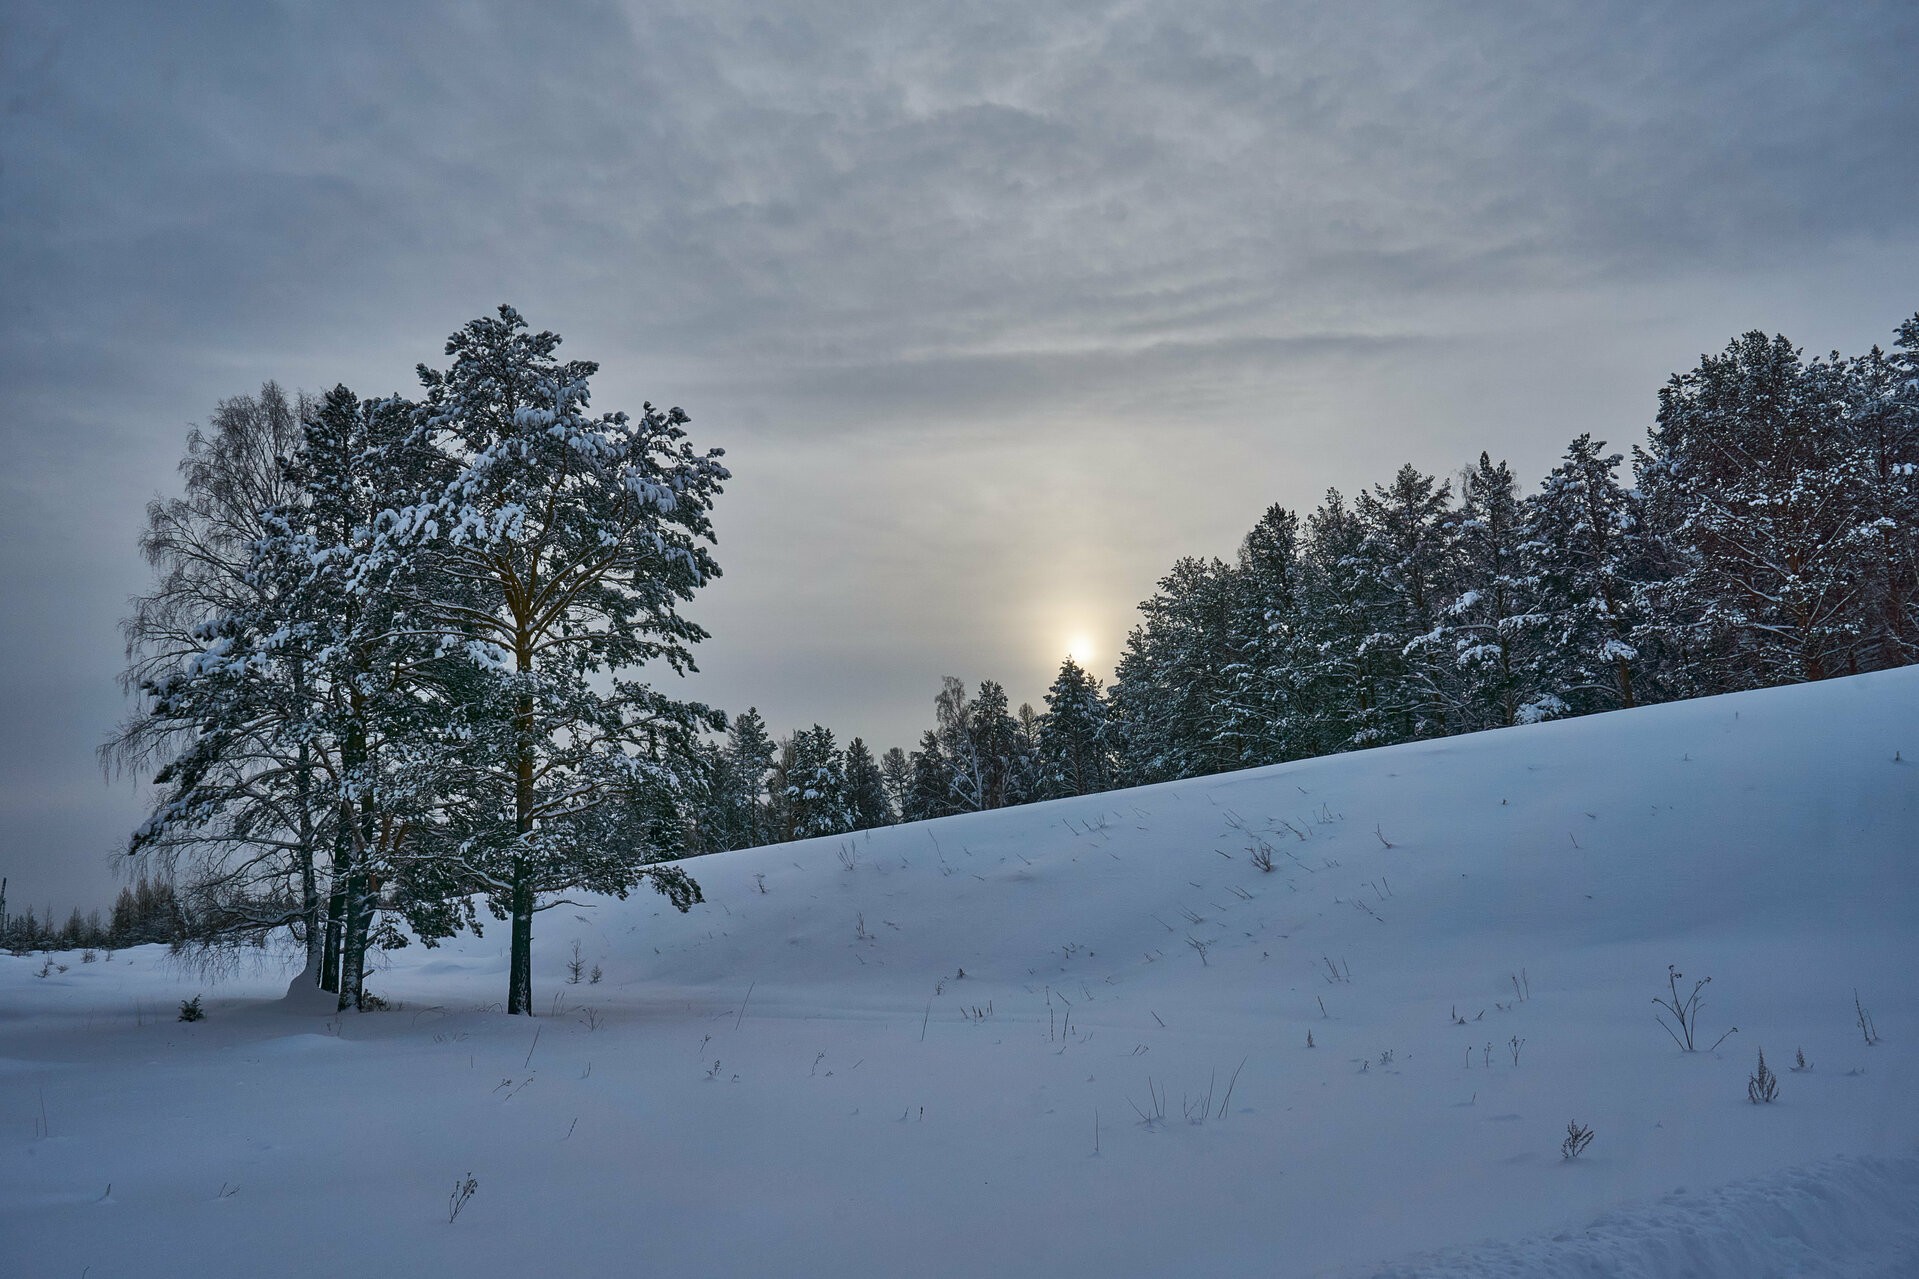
(46, 969)
(190, 1010)
(1263, 856)
(87, 957)
(462, 1191)
(1800, 1065)
(593, 978)
(575, 967)
(1763, 1085)
(1685, 1011)
(1578, 1137)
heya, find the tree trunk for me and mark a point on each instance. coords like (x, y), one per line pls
(1625, 682)
(336, 903)
(353, 942)
(309, 882)
(519, 981)
(519, 984)
(351, 881)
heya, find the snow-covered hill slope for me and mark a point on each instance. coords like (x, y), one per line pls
(796, 1079)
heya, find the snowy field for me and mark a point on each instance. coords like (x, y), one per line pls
(796, 1079)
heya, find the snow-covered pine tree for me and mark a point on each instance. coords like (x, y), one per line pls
(1586, 540)
(1073, 748)
(817, 796)
(1748, 475)
(1258, 708)
(1168, 697)
(1337, 674)
(866, 788)
(709, 821)
(380, 693)
(1406, 564)
(564, 544)
(1491, 629)
(929, 790)
(1137, 718)
(1882, 434)
(749, 752)
(1023, 775)
(996, 744)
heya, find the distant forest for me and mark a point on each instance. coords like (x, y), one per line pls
(1771, 536)
(388, 671)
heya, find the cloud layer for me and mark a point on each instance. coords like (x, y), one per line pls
(997, 307)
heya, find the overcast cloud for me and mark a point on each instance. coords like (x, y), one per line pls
(997, 308)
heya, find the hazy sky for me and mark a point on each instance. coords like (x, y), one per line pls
(997, 309)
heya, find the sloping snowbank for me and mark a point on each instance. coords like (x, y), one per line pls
(796, 1079)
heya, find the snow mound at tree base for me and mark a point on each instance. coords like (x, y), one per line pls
(1845, 1218)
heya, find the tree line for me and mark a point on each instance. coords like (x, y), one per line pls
(145, 911)
(1771, 535)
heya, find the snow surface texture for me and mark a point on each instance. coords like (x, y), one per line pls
(796, 1080)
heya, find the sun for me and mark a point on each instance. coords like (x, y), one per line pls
(1079, 647)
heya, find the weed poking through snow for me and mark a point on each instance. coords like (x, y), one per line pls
(462, 1191)
(1763, 1085)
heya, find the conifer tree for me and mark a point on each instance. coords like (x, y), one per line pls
(1748, 475)
(995, 745)
(1024, 773)
(1169, 694)
(561, 546)
(1341, 666)
(1073, 735)
(896, 774)
(1882, 435)
(388, 698)
(1259, 697)
(1490, 629)
(817, 796)
(1586, 537)
(929, 790)
(865, 789)
(749, 756)
(1407, 556)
